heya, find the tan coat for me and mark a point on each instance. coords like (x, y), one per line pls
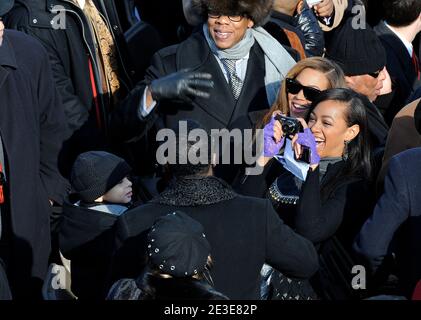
(402, 136)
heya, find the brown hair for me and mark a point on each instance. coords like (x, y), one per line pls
(330, 69)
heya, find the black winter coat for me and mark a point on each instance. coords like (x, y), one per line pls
(324, 207)
(31, 126)
(243, 232)
(86, 238)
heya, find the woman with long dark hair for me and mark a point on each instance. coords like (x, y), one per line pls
(334, 199)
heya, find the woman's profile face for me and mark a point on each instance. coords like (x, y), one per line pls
(298, 104)
(328, 124)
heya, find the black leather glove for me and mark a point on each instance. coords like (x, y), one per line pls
(182, 85)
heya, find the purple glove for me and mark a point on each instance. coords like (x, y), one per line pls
(307, 139)
(271, 148)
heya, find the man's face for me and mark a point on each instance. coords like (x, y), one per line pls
(227, 33)
(366, 84)
(1, 31)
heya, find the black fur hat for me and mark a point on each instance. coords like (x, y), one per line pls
(256, 10)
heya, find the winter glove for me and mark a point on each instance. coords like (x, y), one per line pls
(271, 148)
(306, 139)
(182, 85)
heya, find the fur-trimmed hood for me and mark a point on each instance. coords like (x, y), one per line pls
(257, 10)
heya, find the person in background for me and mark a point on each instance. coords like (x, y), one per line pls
(401, 24)
(393, 230)
(405, 133)
(293, 24)
(33, 127)
(365, 72)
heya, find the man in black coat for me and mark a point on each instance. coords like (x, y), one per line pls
(243, 232)
(395, 224)
(211, 92)
(31, 126)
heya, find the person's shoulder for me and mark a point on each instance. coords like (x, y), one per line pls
(409, 109)
(255, 206)
(408, 159)
(26, 46)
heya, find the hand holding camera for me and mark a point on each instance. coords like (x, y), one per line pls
(306, 141)
(273, 138)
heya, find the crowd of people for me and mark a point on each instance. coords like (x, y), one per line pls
(329, 89)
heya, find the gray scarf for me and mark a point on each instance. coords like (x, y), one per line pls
(324, 162)
(277, 60)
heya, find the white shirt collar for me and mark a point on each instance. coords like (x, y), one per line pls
(407, 44)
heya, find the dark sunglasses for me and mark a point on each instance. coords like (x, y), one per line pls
(374, 74)
(294, 87)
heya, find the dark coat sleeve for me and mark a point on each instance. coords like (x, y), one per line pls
(377, 126)
(315, 219)
(286, 251)
(52, 132)
(126, 122)
(390, 212)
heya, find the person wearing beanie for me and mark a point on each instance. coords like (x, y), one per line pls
(99, 180)
(362, 57)
(226, 70)
(100, 192)
(179, 259)
(401, 24)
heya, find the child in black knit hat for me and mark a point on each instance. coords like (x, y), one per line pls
(99, 181)
(101, 191)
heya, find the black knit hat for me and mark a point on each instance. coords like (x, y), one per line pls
(357, 51)
(257, 10)
(96, 172)
(5, 6)
(177, 245)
